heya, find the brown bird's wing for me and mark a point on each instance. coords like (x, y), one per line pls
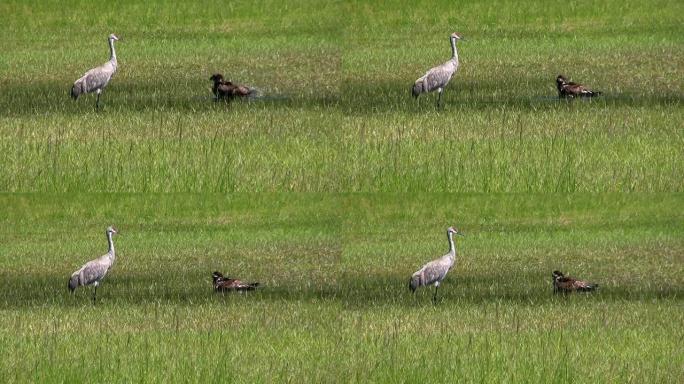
(225, 285)
(225, 88)
(234, 285)
(241, 90)
(580, 284)
(564, 284)
(242, 286)
(579, 90)
(569, 284)
(574, 88)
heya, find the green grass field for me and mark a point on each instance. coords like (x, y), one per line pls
(335, 305)
(335, 185)
(336, 113)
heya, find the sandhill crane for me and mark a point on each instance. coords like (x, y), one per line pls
(571, 90)
(92, 272)
(438, 77)
(226, 284)
(227, 90)
(566, 284)
(436, 270)
(96, 79)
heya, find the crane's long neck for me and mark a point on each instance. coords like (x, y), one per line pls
(452, 246)
(454, 53)
(111, 253)
(112, 52)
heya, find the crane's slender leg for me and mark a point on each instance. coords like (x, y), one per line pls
(97, 103)
(434, 298)
(95, 292)
(439, 98)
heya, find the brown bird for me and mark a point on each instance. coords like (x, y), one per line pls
(571, 90)
(225, 89)
(226, 284)
(565, 284)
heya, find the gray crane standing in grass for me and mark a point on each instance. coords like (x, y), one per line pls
(436, 270)
(438, 77)
(96, 79)
(92, 272)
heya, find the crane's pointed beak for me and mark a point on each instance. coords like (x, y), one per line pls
(460, 234)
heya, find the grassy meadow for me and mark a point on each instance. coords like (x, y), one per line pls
(334, 185)
(335, 305)
(335, 112)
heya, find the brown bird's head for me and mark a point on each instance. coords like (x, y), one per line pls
(561, 80)
(557, 275)
(216, 78)
(216, 276)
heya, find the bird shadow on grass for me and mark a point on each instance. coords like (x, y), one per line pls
(41, 290)
(525, 289)
(355, 97)
(53, 97)
(349, 290)
(392, 96)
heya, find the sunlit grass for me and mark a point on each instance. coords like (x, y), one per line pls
(334, 303)
(336, 114)
(536, 183)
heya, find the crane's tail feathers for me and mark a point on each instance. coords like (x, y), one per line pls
(73, 283)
